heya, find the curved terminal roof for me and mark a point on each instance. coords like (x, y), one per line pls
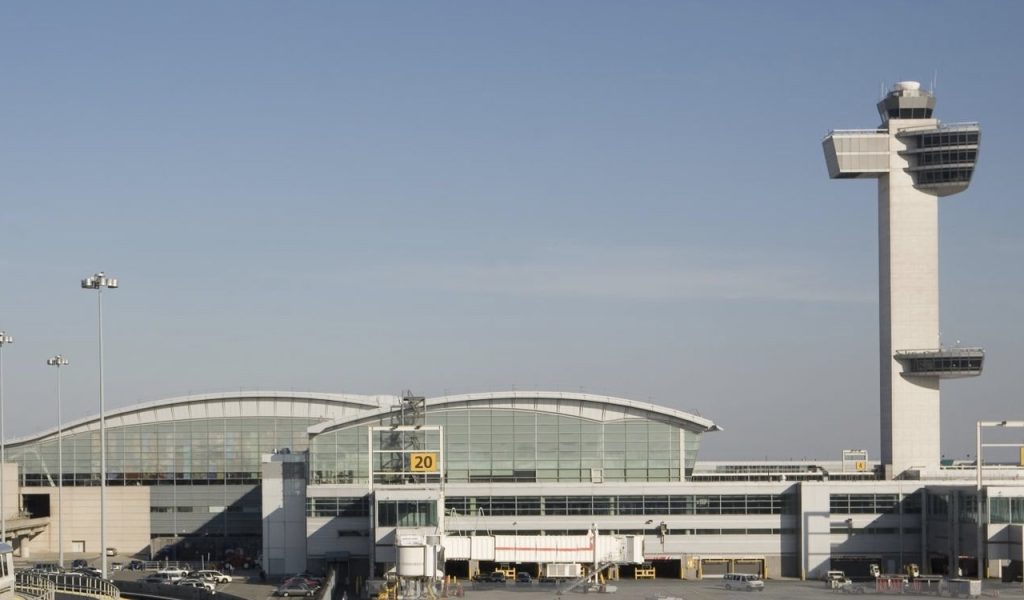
(261, 403)
(592, 406)
(338, 410)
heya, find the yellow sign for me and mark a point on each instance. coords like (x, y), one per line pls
(1022, 457)
(860, 465)
(423, 462)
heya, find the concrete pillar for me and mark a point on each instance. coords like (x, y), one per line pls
(24, 546)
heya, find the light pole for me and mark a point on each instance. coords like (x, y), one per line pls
(4, 340)
(98, 282)
(59, 361)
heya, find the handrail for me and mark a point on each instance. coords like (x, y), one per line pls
(832, 132)
(955, 351)
(942, 127)
(34, 586)
(938, 127)
(588, 579)
(84, 584)
(29, 583)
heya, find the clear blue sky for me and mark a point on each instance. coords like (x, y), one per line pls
(626, 198)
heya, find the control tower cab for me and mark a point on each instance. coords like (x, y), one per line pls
(939, 159)
(916, 159)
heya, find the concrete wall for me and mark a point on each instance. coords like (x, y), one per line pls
(284, 514)
(216, 510)
(127, 520)
(816, 538)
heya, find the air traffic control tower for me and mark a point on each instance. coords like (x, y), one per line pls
(916, 159)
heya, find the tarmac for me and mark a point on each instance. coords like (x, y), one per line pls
(707, 589)
(247, 585)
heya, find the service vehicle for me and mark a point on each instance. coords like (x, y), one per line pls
(743, 581)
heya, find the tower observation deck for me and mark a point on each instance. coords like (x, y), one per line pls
(916, 159)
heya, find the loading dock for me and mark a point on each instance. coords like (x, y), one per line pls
(751, 566)
(857, 568)
(670, 568)
(715, 567)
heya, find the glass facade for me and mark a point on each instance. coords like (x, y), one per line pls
(870, 504)
(340, 456)
(208, 451)
(946, 158)
(203, 472)
(407, 513)
(1006, 510)
(338, 507)
(488, 444)
(652, 505)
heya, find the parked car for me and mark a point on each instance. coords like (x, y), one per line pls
(90, 571)
(136, 565)
(47, 568)
(211, 575)
(523, 577)
(160, 578)
(196, 582)
(294, 588)
(172, 573)
(497, 577)
(78, 563)
(313, 582)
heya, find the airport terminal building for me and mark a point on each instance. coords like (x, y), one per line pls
(519, 479)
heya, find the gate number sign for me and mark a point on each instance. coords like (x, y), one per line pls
(423, 462)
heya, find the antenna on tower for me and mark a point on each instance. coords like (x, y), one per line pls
(881, 90)
(935, 81)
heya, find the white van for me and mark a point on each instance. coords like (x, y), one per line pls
(743, 581)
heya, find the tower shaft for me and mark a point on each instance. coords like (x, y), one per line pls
(908, 290)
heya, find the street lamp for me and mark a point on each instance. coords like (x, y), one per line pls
(98, 282)
(59, 361)
(4, 340)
